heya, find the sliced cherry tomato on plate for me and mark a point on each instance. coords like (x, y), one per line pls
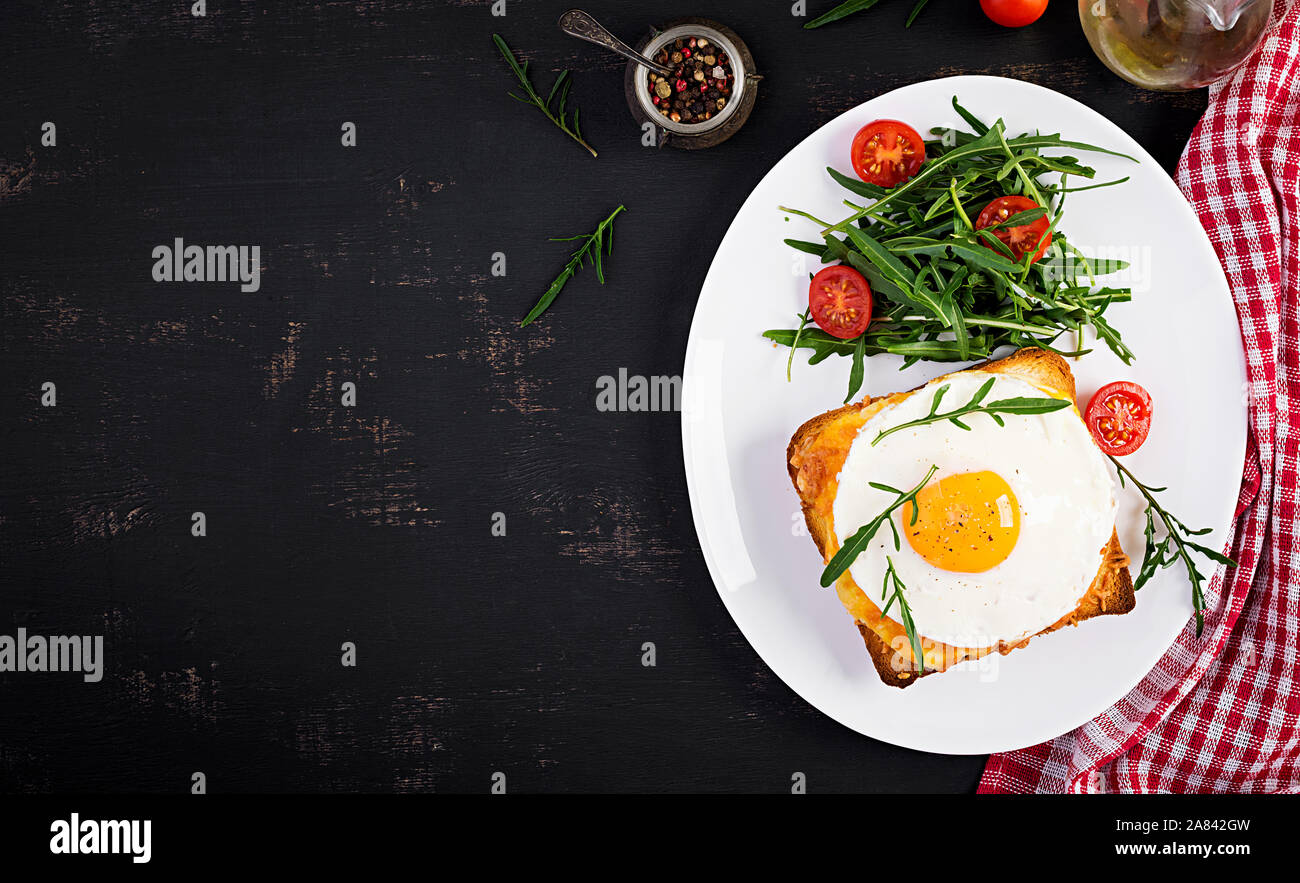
(1014, 13)
(886, 153)
(1119, 417)
(1020, 239)
(840, 300)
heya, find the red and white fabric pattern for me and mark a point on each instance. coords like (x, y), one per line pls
(1221, 713)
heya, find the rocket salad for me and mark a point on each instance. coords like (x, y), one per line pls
(963, 254)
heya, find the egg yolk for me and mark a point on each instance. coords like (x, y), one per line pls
(967, 523)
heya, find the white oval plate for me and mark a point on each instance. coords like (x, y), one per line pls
(740, 412)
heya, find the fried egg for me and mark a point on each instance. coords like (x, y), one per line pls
(1005, 538)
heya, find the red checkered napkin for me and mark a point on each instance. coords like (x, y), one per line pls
(1222, 712)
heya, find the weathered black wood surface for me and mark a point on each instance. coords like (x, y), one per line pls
(372, 524)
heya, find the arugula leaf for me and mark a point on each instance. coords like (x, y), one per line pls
(1018, 405)
(974, 254)
(1174, 548)
(822, 344)
(916, 10)
(593, 246)
(554, 107)
(816, 248)
(944, 291)
(853, 185)
(904, 609)
(855, 544)
(859, 368)
(971, 120)
(794, 346)
(844, 9)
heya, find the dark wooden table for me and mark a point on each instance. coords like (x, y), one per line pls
(373, 523)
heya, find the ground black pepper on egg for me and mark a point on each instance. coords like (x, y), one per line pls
(701, 83)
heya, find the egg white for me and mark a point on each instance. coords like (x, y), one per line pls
(1062, 484)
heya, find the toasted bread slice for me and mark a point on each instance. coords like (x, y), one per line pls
(814, 459)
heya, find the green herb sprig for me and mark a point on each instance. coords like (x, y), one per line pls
(904, 610)
(594, 245)
(1162, 554)
(1015, 405)
(843, 10)
(848, 7)
(946, 292)
(854, 545)
(804, 318)
(555, 104)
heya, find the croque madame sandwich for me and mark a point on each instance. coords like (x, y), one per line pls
(998, 525)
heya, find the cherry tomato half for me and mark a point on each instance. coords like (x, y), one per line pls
(1119, 417)
(1020, 239)
(886, 153)
(840, 300)
(1014, 13)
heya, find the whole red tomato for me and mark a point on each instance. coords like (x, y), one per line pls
(1014, 13)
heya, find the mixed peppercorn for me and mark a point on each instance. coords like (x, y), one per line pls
(701, 82)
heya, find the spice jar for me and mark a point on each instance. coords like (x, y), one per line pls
(700, 85)
(711, 92)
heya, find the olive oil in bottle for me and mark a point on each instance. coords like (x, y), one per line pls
(1173, 44)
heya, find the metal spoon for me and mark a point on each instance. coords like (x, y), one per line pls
(577, 23)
